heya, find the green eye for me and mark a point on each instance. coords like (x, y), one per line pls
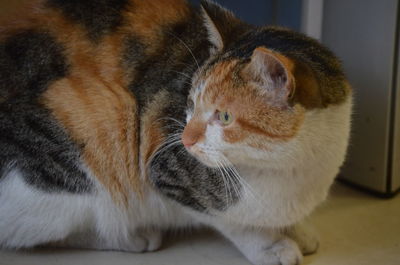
(225, 118)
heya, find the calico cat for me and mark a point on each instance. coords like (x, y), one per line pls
(120, 119)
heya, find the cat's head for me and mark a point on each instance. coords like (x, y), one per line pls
(241, 107)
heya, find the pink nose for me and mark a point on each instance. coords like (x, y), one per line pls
(188, 141)
(192, 133)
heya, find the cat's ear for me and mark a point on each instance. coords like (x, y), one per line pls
(273, 72)
(220, 23)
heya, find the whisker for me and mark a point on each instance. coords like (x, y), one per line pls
(229, 183)
(228, 193)
(157, 155)
(234, 184)
(233, 181)
(187, 47)
(171, 119)
(172, 136)
(181, 151)
(176, 125)
(185, 65)
(247, 186)
(168, 143)
(181, 73)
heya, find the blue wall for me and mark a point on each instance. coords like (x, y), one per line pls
(285, 13)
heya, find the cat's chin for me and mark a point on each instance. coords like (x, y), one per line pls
(204, 160)
(207, 162)
(245, 162)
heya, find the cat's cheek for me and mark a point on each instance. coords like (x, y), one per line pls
(207, 161)
(214, 137)
(189, 115)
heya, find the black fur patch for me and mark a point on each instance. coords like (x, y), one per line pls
(28, 62)
(290, 43)
(32, 142)
(30, 138)
(185, 47)
(99, 17)
(182, 178)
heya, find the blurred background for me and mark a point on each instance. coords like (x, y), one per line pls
(266, 12)
(365, 36)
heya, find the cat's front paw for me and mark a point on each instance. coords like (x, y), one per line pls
(282, 252)
(308, 245)
(143, 241)
(306, 237)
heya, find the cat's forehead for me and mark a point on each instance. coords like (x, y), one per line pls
(223, 71)
(223, 85)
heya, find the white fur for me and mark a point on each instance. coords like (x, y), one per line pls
(264, 246)
(29, 217)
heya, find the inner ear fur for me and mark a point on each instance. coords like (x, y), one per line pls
(272, 71)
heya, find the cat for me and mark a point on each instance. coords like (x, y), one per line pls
(120, 119)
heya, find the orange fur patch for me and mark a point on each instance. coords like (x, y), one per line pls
(221, 82)
(103, 118)
(148, 18)
(95, 107)
(152, 136)
(194, 131)
(259, 119)
(32, 18)
(308, 92)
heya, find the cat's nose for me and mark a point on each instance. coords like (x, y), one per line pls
(189, 138)
(188, 141)
(193, 132)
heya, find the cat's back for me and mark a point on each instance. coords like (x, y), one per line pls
(65, 103)
(45, 40)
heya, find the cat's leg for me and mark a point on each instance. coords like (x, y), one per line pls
(305, 236)
(146, 240)
(140, 240)
(263, 246)
(30, 217)
(117, 228)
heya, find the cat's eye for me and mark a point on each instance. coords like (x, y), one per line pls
(225, 118)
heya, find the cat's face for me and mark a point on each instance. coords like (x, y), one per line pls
(241, 112)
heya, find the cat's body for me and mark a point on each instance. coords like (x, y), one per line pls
(92, 106)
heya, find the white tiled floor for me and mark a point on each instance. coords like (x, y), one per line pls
(355, 229)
